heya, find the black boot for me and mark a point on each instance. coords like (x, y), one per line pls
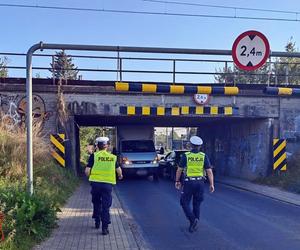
(97, 223)
(105, 231)
(193, 226)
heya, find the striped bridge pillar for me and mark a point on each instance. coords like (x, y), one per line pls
(279, 155)
(58, 148)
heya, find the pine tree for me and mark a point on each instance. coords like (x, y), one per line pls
(63, 67)
(287, 69)
(3, 68)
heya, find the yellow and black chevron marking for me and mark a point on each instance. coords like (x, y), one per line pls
(279, 154)
(58, 152)
(174, 111)
(282, 91)
(175, 89)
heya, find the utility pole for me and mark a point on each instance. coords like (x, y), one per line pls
(172, 138)
(167, 145)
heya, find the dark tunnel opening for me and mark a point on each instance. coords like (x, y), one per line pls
(237, 147)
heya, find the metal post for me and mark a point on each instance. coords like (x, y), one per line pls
(53, 67)
(182, 142)
(276, 77)
(174, 70)
(226, 71)
(29, 125)
(172, 138)
(118, 66)
(286, 74)
(167, 145)
(270, 71)
(234, 72)
(155, 139)
(29, 152)
(120, 61)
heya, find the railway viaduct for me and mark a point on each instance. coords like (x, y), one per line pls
(238, 128)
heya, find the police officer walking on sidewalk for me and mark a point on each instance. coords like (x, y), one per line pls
(193, 164)
(101, 170)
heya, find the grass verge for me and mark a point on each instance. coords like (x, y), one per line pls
(29, 219)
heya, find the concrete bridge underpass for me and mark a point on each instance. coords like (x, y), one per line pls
(238, 130)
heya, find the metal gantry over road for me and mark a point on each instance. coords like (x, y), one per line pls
(118, 49)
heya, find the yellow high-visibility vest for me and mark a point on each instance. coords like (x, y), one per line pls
(194, 164)
(104, 168)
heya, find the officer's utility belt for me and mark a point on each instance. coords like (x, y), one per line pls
(194, 178)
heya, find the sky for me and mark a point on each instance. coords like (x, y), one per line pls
(23, 27)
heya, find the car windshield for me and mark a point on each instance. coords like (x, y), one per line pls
(138, 146)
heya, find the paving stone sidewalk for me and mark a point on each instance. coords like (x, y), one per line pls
(76, 227)
(272, 192)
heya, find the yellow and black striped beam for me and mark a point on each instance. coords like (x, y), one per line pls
(175, 89)
(279, 155)
(282, 91)
(175, 111)
(58, 152)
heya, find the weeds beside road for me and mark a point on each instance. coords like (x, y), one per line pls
(29, 219)
(289, 180)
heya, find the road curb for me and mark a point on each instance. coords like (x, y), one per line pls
(253, 191)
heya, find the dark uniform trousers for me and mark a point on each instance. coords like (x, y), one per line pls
(192, 190)
(102, 200)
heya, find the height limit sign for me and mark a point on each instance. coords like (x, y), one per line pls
(250, 50)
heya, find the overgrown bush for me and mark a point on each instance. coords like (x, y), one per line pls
(29, 219)
(25, 216)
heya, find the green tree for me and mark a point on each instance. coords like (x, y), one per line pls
(287, 69)
(63, 67)
(3, 67)
(176, 136)
(87, 137)
(235, 75)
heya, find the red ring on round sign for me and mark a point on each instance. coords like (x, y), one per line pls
(240, 37)
(207, 100)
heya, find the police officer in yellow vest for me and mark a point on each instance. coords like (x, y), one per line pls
(193, 164)
(101, 170)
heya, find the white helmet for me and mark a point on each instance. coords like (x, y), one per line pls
(103, 140)
(196, 140)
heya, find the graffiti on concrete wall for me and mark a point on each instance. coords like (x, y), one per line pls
(9, 111)
(39, 113)
(256, 145)
(290, 124)
(247, 154)
(241, 149)
(297, 126)
(76, 108)
(13, 111)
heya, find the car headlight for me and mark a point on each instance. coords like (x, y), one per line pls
(126, 161)
(155, 161)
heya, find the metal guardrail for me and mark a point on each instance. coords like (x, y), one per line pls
(123, 67)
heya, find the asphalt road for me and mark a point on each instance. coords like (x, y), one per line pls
(230, 218)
